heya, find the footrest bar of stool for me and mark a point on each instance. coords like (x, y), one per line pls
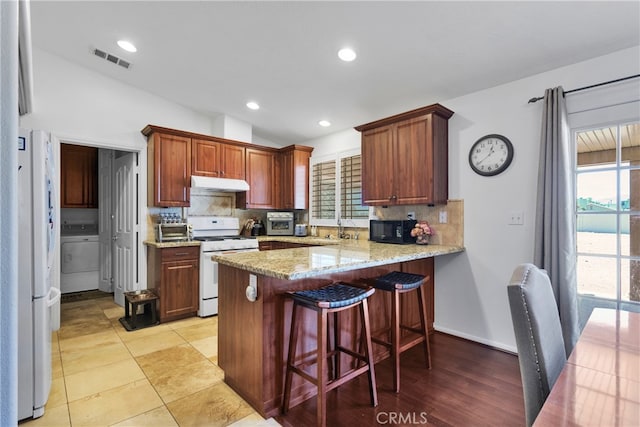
(346, 377)
(353, 354)
(412, 329)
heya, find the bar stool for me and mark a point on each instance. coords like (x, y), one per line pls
(399, 283)
(331, 299)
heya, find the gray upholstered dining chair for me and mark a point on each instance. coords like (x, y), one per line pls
(536, 324)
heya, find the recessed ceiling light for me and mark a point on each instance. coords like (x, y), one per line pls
(128, 46)
(253, 105)
(346, 54)
(324, 123)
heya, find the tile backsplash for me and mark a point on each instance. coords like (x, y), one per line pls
(205, 202)
(449, 233)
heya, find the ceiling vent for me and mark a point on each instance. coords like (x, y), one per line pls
(111, 58)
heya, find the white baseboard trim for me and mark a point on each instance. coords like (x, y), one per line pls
(498, 345)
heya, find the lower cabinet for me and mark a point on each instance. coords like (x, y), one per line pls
(174, 276)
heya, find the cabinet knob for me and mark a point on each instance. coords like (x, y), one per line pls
(222, 173)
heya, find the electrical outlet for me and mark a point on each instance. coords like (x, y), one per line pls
(442, 217)
(411, 215)
(516, 218)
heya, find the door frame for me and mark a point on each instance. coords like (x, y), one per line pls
(139, 258)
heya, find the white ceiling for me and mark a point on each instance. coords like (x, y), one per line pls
(215, 56)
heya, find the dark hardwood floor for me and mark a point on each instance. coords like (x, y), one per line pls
(469, 385)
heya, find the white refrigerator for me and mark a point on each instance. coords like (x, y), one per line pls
(38, 295)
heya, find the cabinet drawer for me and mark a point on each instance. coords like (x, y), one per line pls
(180, 253)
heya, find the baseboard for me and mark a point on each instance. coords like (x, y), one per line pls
(493, 344)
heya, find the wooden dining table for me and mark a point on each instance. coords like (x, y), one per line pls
(600, 383)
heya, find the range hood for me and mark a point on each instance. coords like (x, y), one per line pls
(219, 184)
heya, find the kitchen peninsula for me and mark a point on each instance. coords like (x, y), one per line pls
(253, 335)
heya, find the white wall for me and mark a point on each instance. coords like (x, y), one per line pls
(231, 128)
(78, 103)
(83, 107)
(471, 299)
(8, 213)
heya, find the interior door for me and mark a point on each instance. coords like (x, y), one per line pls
(124, 225)
(105, 163)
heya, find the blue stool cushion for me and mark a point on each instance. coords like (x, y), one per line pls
(332, 296)
(398, 280)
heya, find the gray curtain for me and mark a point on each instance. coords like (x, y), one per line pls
(555, 240)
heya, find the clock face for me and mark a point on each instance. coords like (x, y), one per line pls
(491, 155)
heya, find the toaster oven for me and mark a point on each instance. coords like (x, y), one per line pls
(176, 232)
(280, 224)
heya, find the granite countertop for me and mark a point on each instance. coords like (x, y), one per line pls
(331, 256)
(171, 244)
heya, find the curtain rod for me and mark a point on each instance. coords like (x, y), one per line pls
(538, 98)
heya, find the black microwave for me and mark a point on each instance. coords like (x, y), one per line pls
(392, 231)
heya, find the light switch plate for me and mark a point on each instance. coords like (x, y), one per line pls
(411, 215)
(442, 217)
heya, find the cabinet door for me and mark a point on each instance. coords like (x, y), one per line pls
(205, 158)
(171, 157)
(232, 163)
(378, 176)
(261, 176)
(78, 176)
(179, 288)
(413, 169)
(294, 178)
(286, 184)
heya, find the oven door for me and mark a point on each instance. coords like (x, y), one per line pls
(208, 305)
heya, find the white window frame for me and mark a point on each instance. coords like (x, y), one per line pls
(606, 107)
(333, 222)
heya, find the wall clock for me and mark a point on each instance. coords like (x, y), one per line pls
(491, 155)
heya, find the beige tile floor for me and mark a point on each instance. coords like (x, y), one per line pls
(166, 375)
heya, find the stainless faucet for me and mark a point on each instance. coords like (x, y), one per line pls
(340, 229)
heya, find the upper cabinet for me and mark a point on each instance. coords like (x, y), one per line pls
(405, 158)
(216, 159)
(294, 170)
(278, 178)
(261, 174)
(78, 176)
(169, 169)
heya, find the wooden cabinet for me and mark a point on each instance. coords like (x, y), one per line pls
(78, 176)
(261, 174)
(294, 169)
(253, 336)
(169, 170)
(405, 158)
(174, 277)
(278, 178)
(216, 159)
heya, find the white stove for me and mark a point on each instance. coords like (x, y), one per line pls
(219, 236)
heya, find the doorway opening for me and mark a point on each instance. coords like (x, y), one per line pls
(99, 221)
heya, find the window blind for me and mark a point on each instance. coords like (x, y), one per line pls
(324, 190)
(351, 188)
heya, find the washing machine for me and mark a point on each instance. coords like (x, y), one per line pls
(80, 263)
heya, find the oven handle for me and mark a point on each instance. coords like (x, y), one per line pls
(230, 252)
